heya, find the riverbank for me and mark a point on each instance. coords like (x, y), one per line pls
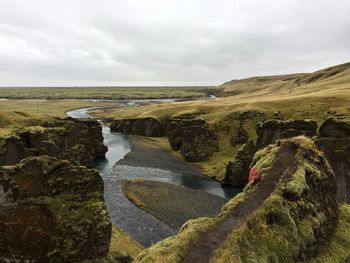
(145, 152)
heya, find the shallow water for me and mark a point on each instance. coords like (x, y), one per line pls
(143, 227)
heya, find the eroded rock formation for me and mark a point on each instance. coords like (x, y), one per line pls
(237, 171)
(52, 211)
(149, 127)
(268, 132)
(272, 130)
(334, 141)
(195, 138)
(75, 140)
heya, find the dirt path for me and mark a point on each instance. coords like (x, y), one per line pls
(209, 241)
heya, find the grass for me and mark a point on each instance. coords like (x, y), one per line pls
(112, 93)
(316, 96)
(123, 244)
(55, 108)
(171, 204)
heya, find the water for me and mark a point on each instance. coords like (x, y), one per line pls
(143, 227)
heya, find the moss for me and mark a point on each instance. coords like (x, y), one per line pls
(338, 247)
(297, 185)
(76, 221)
(281, 229)
(173, 248)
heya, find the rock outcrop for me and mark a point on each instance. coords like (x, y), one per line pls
(149, 127)
(52, 211)
(237, 171)
(195, 138)
(288, 213)
(75, 140)
(334, 141)
(272, 130)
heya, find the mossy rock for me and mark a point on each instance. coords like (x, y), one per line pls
(76, 140)
(52, 211)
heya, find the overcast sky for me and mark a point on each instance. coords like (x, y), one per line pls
(167, 42)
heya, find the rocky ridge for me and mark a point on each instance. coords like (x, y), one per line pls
(287, 220)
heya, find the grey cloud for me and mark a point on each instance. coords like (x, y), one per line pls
(165, 42)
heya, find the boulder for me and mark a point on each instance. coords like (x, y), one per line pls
(334, 141)
(195, 138)
(52, 211)
(149, 127)
(237, 171)
(272, 130)
(76, 140)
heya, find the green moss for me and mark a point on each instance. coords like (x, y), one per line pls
(338, 247)
(76, 220)
(297, 185)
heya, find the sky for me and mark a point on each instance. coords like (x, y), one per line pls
(167, 42)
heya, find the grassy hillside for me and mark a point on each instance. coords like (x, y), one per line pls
(333, 78)
(317, 96)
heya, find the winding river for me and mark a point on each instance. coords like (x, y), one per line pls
(140, 225)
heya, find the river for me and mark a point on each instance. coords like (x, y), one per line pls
(141, 226)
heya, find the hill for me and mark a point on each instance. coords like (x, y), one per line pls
(331, 78)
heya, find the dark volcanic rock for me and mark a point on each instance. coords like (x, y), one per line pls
(75, 140)
(52, 211)
(237, 171)
(272, 130)
(334, 141)
(241, 136)
(149, 127)
(335, 128)
(195, 138)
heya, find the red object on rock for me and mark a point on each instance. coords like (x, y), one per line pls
(254, 175)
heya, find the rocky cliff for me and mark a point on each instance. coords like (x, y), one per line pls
(287, 213)
(272, 130)
(52, 211)
(149, 127)
(334, 141)
(268, 132)
(194, 137)
(75, 140)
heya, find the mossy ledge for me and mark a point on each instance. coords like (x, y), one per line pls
(295, 222)
(78, 141)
